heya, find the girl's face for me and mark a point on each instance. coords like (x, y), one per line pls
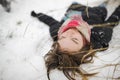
(71, 41)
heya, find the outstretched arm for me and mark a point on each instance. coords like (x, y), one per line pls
(45, 18)
(114, 18)
(102, 35)
(51, 22)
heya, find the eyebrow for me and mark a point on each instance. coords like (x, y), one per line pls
(62, 37)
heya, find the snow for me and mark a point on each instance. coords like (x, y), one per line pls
(24, 41)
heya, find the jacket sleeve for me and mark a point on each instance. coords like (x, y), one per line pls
(51, 22)
(100, 37)
(114, 18)
(45, 18)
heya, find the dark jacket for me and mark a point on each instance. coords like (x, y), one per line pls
(100, 36)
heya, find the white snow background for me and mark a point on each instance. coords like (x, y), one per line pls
(24, 41)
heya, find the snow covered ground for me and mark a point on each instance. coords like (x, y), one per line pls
(24, 41)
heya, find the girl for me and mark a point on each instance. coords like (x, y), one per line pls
(77, 37)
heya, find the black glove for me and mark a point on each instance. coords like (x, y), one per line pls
(34, 14)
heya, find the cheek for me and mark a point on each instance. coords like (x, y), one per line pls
(80, 38)
(64, 43)
(63, 34)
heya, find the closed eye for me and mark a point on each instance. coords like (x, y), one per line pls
(75, 40)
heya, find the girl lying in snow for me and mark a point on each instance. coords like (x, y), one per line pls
(82, 32)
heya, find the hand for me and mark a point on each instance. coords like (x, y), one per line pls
(34, 14)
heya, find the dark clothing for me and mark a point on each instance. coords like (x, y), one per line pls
(5, 4)
(100, 36)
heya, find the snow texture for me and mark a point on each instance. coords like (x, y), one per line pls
(24, 41)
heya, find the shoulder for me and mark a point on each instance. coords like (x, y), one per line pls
(101, 30)
(100, 37)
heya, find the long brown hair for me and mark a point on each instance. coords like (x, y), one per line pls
(68, 63)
